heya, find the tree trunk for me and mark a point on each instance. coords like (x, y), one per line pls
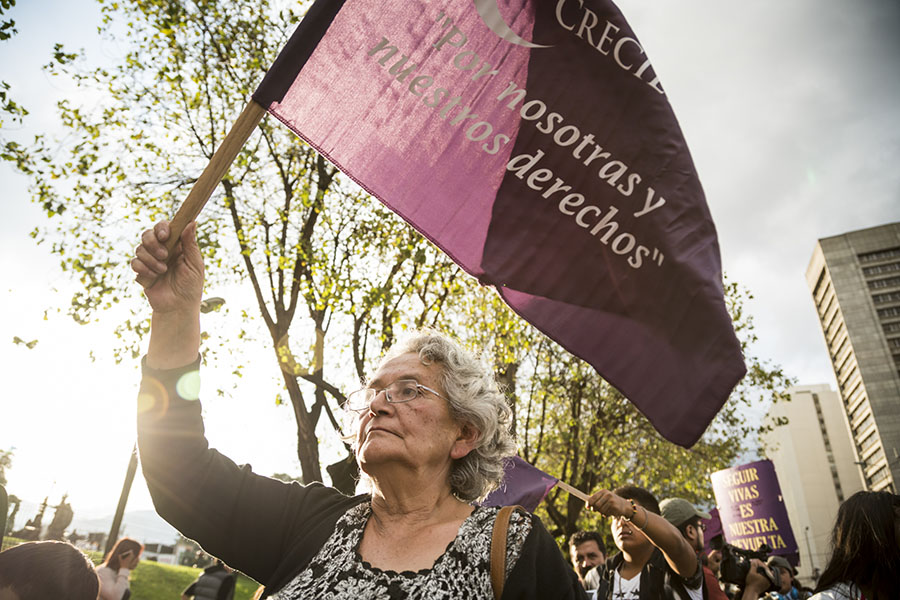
(307, 443)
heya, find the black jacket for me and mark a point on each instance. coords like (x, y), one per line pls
(658, 580)
(214, 583)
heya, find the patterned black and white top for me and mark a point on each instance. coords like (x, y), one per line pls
(338, 572)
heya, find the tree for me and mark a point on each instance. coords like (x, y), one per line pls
(573, 424)
(11, 150)
(333, 272)
(5, 463)
(335, 276)
(8, 106)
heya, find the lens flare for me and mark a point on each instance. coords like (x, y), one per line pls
(188, 386)
(145, 402)
(152, 397)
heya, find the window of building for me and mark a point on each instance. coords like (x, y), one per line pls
(891, 311)
(878, 475)
(846, 369)
(843, 348)
(885, 298)
(875, 458)
(849, 383)
(855, 398)
(880, 255)
(877, 284)
(819, 284)
(858, 412)
(824, 300)
(881, 269)
(868, 442)
(864, 425)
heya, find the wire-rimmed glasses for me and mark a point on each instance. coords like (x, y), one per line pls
(398, 392)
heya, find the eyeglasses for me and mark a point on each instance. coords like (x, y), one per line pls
(399, 392)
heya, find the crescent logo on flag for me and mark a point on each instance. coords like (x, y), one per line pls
(490, 14)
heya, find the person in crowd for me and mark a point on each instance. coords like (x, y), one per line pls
(654, 561)
(586, 551)
(216, 582)
(689, 521)
(115, 570)
(42, 570)
(865, 555)
(432, 428)
(713, 560)
(759, 578)
(786, 589)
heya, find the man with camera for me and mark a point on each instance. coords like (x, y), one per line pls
(746, 570)
(743, 568)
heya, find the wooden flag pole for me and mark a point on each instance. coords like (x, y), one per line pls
(213, 173)
(574, 491)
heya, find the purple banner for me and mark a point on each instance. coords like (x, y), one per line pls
(713, 529)
(752, 510)
(533, 143)
(522, 484)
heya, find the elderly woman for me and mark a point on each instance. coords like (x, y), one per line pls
(431, 429)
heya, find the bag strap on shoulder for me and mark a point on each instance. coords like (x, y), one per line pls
(498, 549)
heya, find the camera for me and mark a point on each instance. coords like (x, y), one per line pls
(736, 565)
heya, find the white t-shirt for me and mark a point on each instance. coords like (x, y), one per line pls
(626, 589)
(696, 594)
(630, 589)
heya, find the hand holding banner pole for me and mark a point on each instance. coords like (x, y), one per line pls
(212, 175)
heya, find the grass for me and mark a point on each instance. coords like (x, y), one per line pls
(157, 581)
(9, 542)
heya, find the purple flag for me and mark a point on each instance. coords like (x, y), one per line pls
(713, 529)
(752, 510)
(533, 143)
(522, 484)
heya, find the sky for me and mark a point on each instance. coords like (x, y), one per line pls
(792, 114)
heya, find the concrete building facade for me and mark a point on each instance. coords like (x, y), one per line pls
(814, 460)
(855, 283)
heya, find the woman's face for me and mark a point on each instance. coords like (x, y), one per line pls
(420, 434)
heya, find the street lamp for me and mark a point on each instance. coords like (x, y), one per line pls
(123, 499)
(812, 564)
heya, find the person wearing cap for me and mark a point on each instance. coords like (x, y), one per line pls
(780, 565)
(688, 519)
(655, 561)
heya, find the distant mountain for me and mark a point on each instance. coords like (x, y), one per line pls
(143, 525)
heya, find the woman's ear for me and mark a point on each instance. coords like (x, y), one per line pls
(465, 441)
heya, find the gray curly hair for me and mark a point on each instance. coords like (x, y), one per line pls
(475, 399)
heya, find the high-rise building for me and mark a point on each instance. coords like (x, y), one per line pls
(814, 460)
(855, 283)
